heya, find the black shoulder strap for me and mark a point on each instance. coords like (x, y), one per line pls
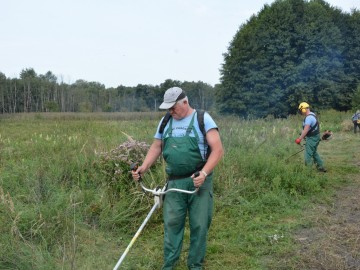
(164, 122)
(200, 118)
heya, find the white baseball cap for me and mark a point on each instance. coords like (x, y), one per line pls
(171, 96)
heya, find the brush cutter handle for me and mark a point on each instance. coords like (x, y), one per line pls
(133, 167)
(158, 192)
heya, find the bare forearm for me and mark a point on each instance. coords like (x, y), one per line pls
(213, 160)
(217, 151)
(304, 132)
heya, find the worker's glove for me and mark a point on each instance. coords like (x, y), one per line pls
(326, 135)
(298, 141)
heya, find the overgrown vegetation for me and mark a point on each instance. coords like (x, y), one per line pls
(64, 204)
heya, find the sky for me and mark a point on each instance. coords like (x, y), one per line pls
(124, 42)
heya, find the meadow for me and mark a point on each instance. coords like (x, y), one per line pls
(67, 200)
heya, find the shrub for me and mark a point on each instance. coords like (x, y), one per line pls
(347, 125)
(115, 165)
(126, 201)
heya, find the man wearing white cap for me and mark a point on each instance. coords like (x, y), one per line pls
(185, 149)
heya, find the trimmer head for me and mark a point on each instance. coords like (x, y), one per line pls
(327, 135)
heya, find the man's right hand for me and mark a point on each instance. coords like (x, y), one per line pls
(136, 172)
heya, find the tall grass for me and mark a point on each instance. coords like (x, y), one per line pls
(63, 207)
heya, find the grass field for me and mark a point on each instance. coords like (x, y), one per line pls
(67, 202)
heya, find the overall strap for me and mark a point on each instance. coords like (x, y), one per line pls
(190, 127)
(188, 130)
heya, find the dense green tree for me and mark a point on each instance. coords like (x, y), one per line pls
(3, 93)
(292, 51)
(48, 93)
(201, 95)
(350, 26)
(28, 78)
(355, 102)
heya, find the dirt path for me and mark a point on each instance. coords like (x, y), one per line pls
(333, 240)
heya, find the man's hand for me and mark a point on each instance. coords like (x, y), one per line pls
(198, 179)
(135, 171)
(298, 141)
(136, 174)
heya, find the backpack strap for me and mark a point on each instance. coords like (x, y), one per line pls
(164, 122)
(200, 118)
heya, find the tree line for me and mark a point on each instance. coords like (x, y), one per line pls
(43, 93)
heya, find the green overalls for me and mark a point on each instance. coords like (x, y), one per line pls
(311, 154)
(312, 142)
(182, 156)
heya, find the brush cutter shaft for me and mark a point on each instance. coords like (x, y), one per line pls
(158, 192)
(295, 153)
(136, 236)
